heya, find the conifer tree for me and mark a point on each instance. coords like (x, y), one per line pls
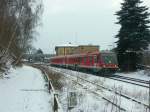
(134, 34)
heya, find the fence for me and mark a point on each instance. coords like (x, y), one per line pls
(56, 105)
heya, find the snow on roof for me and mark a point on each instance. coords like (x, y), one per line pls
(88, 45)
(67, 45)
(73, 45)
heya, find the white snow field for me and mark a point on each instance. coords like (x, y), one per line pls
(23, 90)
(89, 102)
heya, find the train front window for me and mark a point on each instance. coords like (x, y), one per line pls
(109, 59)
(85, 60)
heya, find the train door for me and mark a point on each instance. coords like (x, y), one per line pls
(95, 60)
(99, 60)
(90, 60)
(63, 61)
(85, 60)
(79, 60)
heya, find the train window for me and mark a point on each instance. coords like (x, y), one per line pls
(95, 59)
(85, 60)
(91, 60)
(109, 58)
(79, 60)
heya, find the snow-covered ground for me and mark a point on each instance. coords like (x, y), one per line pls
(88, 102)
(141, 74)
(23, 90)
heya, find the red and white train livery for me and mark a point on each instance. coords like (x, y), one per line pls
(89, 62)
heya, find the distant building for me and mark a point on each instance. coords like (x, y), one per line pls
(66, 49)
(87, 48)
(74, 49)
(37, 57)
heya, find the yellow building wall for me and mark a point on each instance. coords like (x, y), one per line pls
(65, 50)
(86, 49)
(75, 50)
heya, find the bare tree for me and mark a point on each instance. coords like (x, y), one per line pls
(19, 18)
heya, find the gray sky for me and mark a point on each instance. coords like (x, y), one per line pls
(78, 22)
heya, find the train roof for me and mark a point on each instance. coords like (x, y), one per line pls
(83, 54)
(77, 55)
(66, 45)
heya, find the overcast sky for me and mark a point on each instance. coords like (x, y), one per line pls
(78, 22)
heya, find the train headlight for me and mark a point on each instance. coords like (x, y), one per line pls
(116, 66)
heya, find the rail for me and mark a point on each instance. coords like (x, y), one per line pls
(111, 90)
(56, 103)
(143, 66)
(92, 91)
(123, 95)
(148, 68)
(116, 92)
(128, 81)
(131, 79)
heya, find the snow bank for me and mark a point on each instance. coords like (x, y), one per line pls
(24, 91)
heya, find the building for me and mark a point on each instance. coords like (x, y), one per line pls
(74, 49)
(66, 49)
(86, 48)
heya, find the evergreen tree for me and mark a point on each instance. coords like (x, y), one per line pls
(134, 34)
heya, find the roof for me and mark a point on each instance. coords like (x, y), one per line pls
(67, 45)
(76, 55)
(89, 45)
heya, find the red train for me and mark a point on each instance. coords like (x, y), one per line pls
(88, 62)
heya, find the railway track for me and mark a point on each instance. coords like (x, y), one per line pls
(98, 94)
(42, 68)
(107, 89)
(133, 81)
(120, 78)
(115, 92)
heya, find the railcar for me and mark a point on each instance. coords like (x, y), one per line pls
(95, 62)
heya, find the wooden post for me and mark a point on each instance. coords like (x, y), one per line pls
(55, 103)
(49, 86)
